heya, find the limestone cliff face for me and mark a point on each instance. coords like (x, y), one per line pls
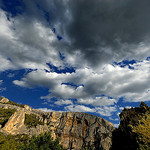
(76, 130)
(79, 130)
(15, 124)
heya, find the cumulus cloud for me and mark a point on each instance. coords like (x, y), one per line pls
(103, 111)
(105, 30)
(2, 88)
(94, 32)
(112, 81)
(63, 102)
(79, 108)
(98, 101)
(94, 35)
(106, 111)
(46, 109)
(26, 44)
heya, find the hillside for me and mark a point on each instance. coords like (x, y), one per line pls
(134, 129)
(76, 130)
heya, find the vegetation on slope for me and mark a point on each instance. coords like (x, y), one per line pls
(23, 142)
(43, 142)
(10, 142)
(134, 129)
(5, 115)
(16, 104)
(13, 103)
(32, 121)
(1, 97)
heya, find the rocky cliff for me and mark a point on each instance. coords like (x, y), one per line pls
(134, 129)
(76, 130)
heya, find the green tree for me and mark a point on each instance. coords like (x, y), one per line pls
(43, 142)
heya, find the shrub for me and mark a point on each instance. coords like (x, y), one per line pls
(16, 104)
(10, 142)
(23, 142)
(5, 115)
(43, 142)
(32, 120)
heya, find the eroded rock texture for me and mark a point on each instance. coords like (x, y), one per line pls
(79, 130)
(76, 130)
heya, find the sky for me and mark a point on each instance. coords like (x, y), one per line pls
(89, 56)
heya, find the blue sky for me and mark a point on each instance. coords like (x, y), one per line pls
(86, 56)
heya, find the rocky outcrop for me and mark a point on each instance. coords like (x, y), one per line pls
(4, 100)
(79, 130)
(15, 124)
(76, 130)
(134, 129)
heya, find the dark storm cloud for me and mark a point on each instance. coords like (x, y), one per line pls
(99, 25)
(102, 29)
(101, 22)
(95, 33)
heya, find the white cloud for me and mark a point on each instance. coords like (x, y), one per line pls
(106, 110)
(103, 111)
(31, 44)
(10, 75)
(79, 108)
(127, 107)
(116, 125)
(98, 101)
(63, 102)
(3, 89)
(112, 80)
(45, 109)
(27, 41)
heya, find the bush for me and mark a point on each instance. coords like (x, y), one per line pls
(16, 104)
(32, 120)
(43, 142)
(134, 129)
(23, 142)
(5, 115)
(10, 142)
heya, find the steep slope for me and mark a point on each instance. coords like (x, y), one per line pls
(134, 129)
(76, 130)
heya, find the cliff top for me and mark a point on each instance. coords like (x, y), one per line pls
(75, 129)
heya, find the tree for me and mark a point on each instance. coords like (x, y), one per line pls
(43, 142)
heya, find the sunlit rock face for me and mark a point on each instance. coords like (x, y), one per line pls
(80, 130)
(75, 130)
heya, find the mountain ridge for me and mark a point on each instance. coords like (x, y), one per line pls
(76, 130)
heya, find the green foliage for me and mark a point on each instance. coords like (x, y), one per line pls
(142, 131)
(16, 104)
(32, 120)
(10, 142)
(23, 142)
(134, 129)
(85, 148)
(5, 115)
(43, 142)
(1, 97)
